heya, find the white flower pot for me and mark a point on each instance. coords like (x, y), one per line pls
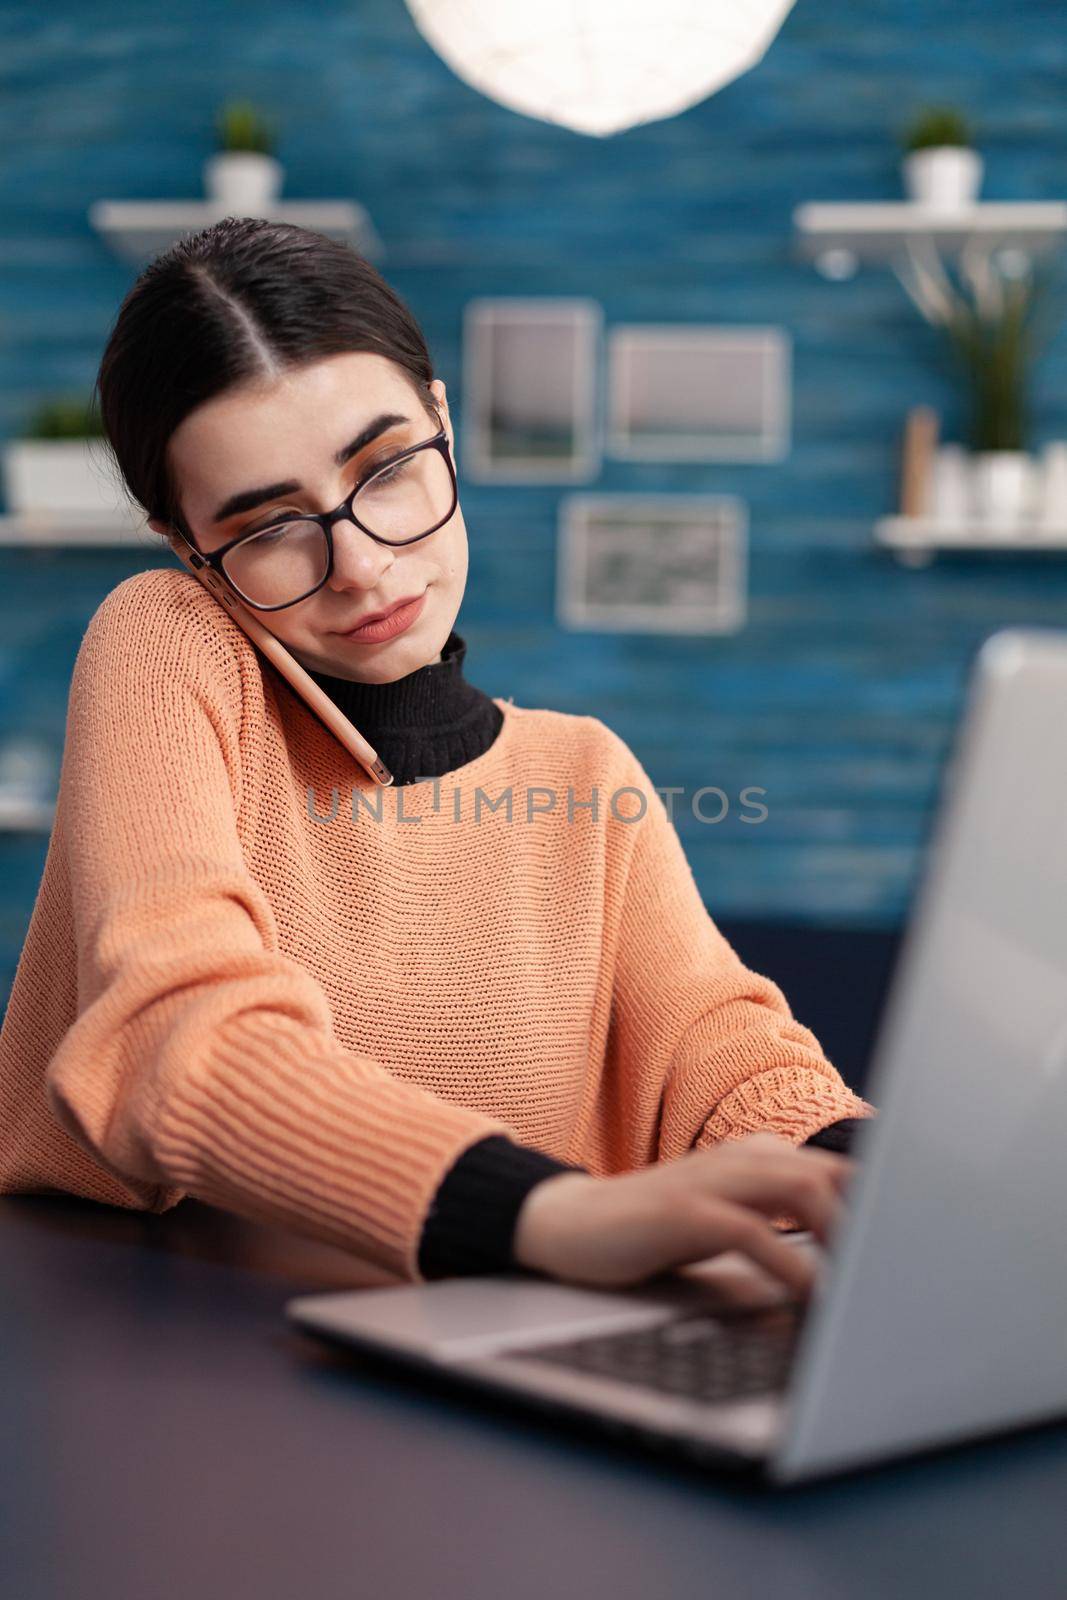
(950, 485)
(1004, 483)
(943, 177)
(246, 182)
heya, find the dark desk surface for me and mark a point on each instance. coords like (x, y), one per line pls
(167, 1434)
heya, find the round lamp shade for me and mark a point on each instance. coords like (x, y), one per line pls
(599, 66)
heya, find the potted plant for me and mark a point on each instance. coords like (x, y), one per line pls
(940, 167)
(991, 322)
(61, 464)
(243, 175)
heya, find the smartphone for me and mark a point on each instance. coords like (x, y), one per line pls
(289, 667)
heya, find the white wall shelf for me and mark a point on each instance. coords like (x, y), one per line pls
(69, 529)
(838, 236)
(139, 229)
(22, 813)
(915, 541)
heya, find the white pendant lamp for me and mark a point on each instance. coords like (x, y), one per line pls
(599, 66)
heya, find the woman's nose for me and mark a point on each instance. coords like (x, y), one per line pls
(358, 560)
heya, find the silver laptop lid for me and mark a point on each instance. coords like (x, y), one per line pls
(945, 1313)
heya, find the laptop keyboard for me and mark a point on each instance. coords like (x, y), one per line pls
(701, 1357)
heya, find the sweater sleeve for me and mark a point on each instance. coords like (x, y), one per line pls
(470, 1227)
(202, 1060)
(702, 1043)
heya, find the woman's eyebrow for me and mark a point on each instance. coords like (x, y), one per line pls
(248, 499)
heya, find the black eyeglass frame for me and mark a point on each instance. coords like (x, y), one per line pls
(326, 520)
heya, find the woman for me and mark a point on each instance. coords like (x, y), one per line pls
(448, 1033)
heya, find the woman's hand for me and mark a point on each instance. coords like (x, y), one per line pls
(617, 1231)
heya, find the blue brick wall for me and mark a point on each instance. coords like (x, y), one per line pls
(840, 694)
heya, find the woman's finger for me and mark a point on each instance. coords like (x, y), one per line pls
(777, 1184)
(747, 1233)
(835, 1163)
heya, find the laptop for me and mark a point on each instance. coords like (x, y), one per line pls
(940, 1307)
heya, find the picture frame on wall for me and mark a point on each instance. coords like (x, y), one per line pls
(671, 563)
(698, 392)
(530, 389)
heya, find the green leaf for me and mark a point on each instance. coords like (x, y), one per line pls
(936, 126)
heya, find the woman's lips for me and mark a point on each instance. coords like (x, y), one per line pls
(401, 617)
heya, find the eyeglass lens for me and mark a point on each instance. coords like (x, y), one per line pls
(282, 564)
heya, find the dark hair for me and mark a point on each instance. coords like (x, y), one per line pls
(239, 301)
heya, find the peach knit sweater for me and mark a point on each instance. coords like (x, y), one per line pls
(233, 988)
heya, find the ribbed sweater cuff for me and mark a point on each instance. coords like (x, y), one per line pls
(283, 1124)
(794, 1102)
(471, 1224)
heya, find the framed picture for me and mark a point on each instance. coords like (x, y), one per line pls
(692, 392)
(530, 402)
(652, 563)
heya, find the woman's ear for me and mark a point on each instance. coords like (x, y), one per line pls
(168, 533)
(439, 393)
(438, 390)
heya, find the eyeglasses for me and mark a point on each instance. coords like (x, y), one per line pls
(280, 565)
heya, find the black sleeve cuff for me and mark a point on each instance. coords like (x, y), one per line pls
(471, 1223)
(839, 1135)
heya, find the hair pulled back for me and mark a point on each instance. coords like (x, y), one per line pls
(241, 301)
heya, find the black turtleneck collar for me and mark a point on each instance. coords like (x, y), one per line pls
(426, 724)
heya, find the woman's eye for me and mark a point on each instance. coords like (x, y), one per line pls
(388, 474)
(264, 527)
